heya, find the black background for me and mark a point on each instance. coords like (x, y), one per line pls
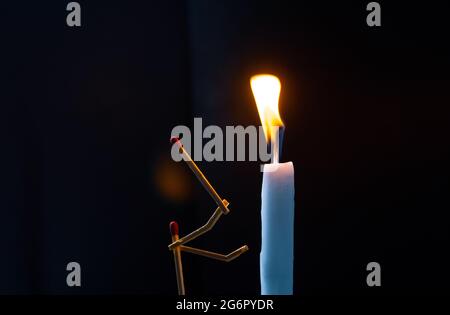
(86, 114)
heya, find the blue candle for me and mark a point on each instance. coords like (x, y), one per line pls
(277, 239)
(277, 196)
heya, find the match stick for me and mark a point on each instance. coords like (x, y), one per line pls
(198, 173)
(202, 230)
(177, 258)
(205, 253)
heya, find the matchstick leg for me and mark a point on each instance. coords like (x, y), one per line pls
(177, 259)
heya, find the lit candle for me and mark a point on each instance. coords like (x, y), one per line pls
(277, 196)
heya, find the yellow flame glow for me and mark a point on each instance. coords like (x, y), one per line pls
(266, 90)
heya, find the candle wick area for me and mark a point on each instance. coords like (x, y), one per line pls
(275, 145)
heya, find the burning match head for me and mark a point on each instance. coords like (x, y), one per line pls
(174, 139)
(173, 228)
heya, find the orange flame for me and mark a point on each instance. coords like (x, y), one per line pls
(266, 90)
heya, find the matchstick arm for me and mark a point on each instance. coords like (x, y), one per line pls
(205, 253)
(202, 230)
(200, 176)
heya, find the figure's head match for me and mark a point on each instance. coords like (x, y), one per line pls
(173, 228)
(174, 139)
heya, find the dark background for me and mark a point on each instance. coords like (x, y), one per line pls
(86, 114)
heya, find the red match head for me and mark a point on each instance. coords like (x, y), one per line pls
(173, 228)
(178, 142)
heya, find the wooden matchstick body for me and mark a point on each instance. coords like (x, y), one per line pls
(205, 253)
(177, 243)
(202, 178)
(178, 267)
(202, 230)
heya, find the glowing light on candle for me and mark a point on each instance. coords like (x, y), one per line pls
(266, 90)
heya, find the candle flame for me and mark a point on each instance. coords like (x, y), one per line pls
(266, 90)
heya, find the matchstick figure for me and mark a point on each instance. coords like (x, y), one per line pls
(177, 245)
